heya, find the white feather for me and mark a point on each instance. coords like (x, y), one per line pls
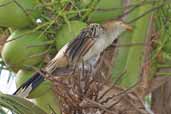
(100, 45)
(23, 93)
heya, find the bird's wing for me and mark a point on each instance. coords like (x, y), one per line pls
(73, 52)
(82, 43)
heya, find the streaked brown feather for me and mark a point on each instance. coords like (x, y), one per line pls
(82, 43)
(89, 43)
(73, 52)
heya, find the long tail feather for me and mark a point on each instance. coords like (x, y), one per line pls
(26, 88)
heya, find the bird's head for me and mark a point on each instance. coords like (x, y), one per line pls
(116, 26)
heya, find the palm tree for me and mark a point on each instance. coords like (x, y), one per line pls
(137, 66)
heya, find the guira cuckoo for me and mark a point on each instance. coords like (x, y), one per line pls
(89, 44)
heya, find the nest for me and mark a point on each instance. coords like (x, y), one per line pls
(83, 91)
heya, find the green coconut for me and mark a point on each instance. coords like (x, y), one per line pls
(23, 75)
(106, 10)
(85, 3)
(68, 32)
(48, 102)
(24, 49)
(18, 13)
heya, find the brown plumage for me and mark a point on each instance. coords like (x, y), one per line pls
(86, 47)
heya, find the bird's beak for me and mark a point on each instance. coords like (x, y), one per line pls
(127, 27)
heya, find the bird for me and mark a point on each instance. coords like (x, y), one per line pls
(86, 47)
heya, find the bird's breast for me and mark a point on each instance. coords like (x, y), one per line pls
(99, 46)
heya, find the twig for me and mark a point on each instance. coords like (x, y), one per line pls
(129, 6)
(99, 106)
(130, 44)
(135, 107)
(145, 13)
(119, 77)
(7, 3)
(22, 8)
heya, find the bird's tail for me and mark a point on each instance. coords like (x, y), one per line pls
(26, 88)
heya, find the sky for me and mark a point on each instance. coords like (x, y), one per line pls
(5, 86)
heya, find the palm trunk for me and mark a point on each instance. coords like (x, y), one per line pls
(161, 99)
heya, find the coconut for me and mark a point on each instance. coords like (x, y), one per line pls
(68, 32)
(47, 100)
(24, 49)
(18, 13)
